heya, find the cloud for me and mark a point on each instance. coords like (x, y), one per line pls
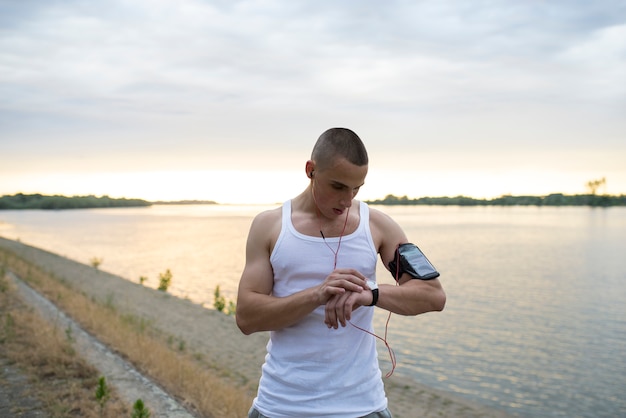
(600, 61)
(138, 82)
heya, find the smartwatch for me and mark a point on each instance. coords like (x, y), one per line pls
(374, 288)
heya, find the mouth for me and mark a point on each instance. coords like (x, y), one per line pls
(338, 211)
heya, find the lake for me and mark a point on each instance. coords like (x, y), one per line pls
(535, 322)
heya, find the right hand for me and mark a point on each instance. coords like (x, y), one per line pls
(338, 282)
(338, 291)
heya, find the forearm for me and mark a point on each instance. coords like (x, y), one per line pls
(259, 312)
(412, 298)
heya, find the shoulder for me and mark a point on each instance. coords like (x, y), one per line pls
(266, 226)
(267, 219)
(387, 234)
(379, 219)
(270, 215)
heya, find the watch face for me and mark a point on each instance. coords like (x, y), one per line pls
(372, 284)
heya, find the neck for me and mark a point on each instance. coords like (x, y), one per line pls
(311, 220)
(343, 228)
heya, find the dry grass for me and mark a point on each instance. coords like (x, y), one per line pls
(63, 382)
(182, 374)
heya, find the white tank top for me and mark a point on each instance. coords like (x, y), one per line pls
(310, 370)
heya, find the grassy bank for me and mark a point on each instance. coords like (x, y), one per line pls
(164, 358)
(58, 381)
(227, 362)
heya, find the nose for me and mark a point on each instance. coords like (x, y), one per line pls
(346, 199)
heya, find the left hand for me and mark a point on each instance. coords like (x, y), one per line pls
(339, 308)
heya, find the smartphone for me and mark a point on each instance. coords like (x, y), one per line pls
(414, 262)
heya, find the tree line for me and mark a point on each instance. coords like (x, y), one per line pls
(39, 201)
(555, 199)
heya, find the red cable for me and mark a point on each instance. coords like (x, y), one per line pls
(392, 355)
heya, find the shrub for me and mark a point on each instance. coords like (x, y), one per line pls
(140, 410)
(165, 279)
(219, 301)
(102, 393)
(95, 262)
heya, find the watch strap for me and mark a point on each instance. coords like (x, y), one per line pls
(374, 297)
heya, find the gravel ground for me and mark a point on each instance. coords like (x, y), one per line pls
(129, 382)
(16, 399)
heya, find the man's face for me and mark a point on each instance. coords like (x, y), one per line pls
(336, 187)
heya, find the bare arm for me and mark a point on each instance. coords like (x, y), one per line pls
(412, 296)
(257, 308)
(409, 297)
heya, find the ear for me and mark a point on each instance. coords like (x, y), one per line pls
(309, 168)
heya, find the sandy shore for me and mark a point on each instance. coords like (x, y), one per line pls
(216, 337)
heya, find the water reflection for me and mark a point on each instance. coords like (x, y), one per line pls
(534, 321)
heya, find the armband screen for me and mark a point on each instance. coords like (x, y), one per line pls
(411, 260)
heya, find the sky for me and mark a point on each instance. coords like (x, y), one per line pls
(223, 100)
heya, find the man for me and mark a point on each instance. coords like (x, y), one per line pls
(310, 279)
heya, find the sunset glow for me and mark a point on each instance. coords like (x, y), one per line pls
(214, 101)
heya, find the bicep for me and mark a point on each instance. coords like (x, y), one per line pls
(388, 235)
(257, 275)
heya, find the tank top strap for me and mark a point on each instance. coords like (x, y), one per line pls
(286, 214)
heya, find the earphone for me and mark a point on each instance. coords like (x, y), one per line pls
(311, 174)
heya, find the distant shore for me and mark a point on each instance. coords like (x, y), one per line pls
(215, 336)
(57, 202)
(555, 199)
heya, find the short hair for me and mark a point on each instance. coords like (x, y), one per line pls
(339, 143)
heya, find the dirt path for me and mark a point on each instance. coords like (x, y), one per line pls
(129, 382)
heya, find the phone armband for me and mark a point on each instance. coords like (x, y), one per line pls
(411, 260)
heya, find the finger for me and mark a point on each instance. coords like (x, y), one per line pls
(352, 272)
(348, 305)
(326, 292)
(331, 313)
(340, 308)
(348, 282)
